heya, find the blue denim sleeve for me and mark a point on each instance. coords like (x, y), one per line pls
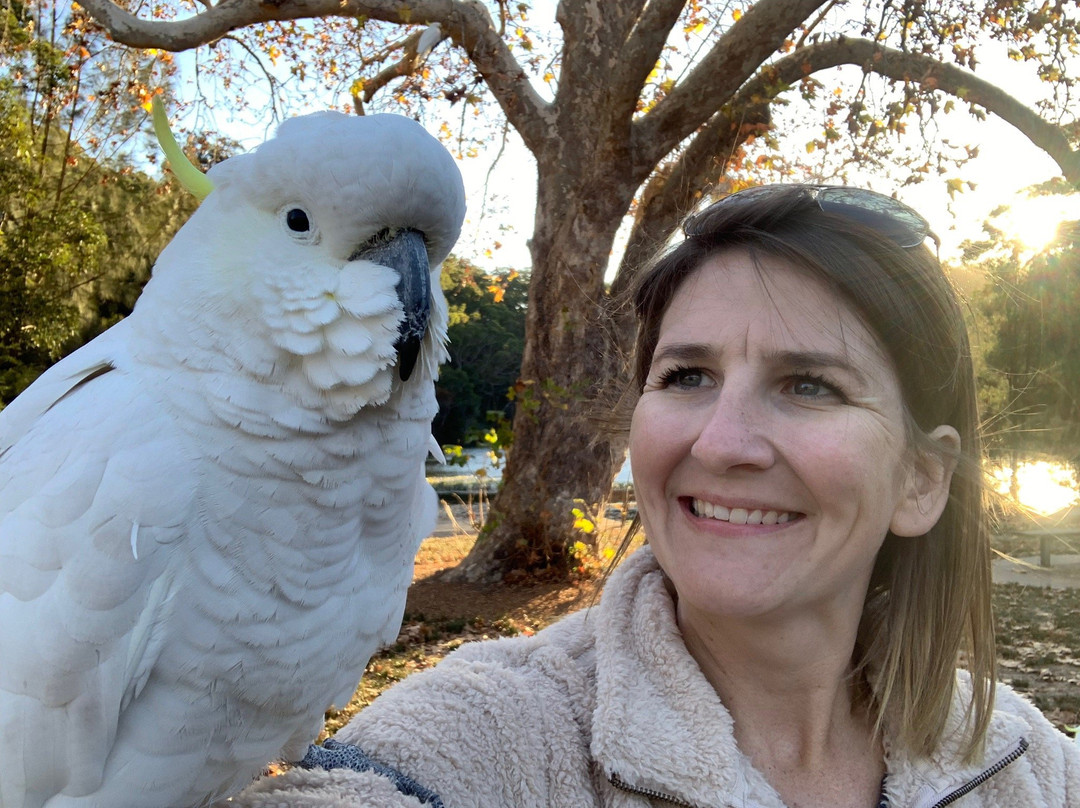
(336, 755)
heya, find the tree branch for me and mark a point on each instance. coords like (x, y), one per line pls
(594, 32)
(672, 194)
(673, 191)
(735, 57)
(641, 51)
(406, 65)
(466, 23)
(929, 73)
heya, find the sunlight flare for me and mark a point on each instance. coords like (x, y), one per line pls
(1034, 221)
(1045, 488)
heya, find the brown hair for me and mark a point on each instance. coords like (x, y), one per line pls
(929, 597)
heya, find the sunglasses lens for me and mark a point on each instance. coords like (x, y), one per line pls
(884, 214)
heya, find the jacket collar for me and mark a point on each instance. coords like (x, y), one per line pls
(659, 725)
(919, 781)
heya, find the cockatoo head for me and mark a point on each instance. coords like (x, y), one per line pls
(314, 261)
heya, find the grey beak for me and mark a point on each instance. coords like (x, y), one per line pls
(406, 253)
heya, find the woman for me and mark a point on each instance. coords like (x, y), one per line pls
(805, 454)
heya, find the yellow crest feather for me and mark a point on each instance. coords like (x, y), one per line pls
(189, 175)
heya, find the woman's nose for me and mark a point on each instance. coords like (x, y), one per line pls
(734, 433)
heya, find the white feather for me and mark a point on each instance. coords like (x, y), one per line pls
(208, 515)
(431, 37)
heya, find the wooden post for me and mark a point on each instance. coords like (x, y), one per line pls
(1044, 550)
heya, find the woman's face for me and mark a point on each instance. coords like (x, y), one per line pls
(768, 448)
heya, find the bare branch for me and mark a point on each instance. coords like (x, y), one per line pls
(405, 66)
(270, 80)
(930, 73)
(641, 50)
(812, 26)
(735, 57)
(466, 23)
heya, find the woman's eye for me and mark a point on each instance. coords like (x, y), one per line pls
(683, 377)
(812, 387)
(297, 220)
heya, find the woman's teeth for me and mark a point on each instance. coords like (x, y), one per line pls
(741, 516)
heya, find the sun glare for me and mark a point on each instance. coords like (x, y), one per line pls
(1045, 488)
(1033, 221)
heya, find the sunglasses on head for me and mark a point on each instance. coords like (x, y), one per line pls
(889, 217)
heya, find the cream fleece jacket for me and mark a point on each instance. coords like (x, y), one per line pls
(607, 708)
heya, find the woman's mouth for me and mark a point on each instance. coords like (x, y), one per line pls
(740, 516)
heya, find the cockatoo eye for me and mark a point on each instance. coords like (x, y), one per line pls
(299, 224)
(297, 220)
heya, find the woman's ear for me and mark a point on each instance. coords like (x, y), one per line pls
(926, 490)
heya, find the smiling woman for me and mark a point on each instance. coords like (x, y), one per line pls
(799, 358)
(804, 440)
(769, 451)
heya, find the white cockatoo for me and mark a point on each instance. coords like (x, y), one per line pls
(208, 515)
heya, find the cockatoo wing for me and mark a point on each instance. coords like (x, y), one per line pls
(93, 493)
(91, 360)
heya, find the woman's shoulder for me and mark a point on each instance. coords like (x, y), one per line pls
(479, 676)
(500, 722)
(487, 692)
(1031, 760)
(1045, 739)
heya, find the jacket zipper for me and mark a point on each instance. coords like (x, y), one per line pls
(619, 783)
(951, 797)
(971, 785)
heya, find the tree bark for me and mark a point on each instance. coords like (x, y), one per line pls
(556, 456)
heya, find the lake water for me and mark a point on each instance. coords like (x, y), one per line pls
(478, 458)
(1045, 486)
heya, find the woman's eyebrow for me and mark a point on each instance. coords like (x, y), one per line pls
(683, 352)
(817, 359)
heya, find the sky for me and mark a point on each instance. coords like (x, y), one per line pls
(1007, 164)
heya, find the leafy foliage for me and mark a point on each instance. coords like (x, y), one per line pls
(79, 231)
(45, 252)
(487, 339)
(1033, 308)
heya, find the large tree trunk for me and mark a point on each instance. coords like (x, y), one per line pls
(557, 456)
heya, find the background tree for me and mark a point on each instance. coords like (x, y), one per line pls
(487, 339)
(1031, 306)
(78, 232)
(634, 105)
